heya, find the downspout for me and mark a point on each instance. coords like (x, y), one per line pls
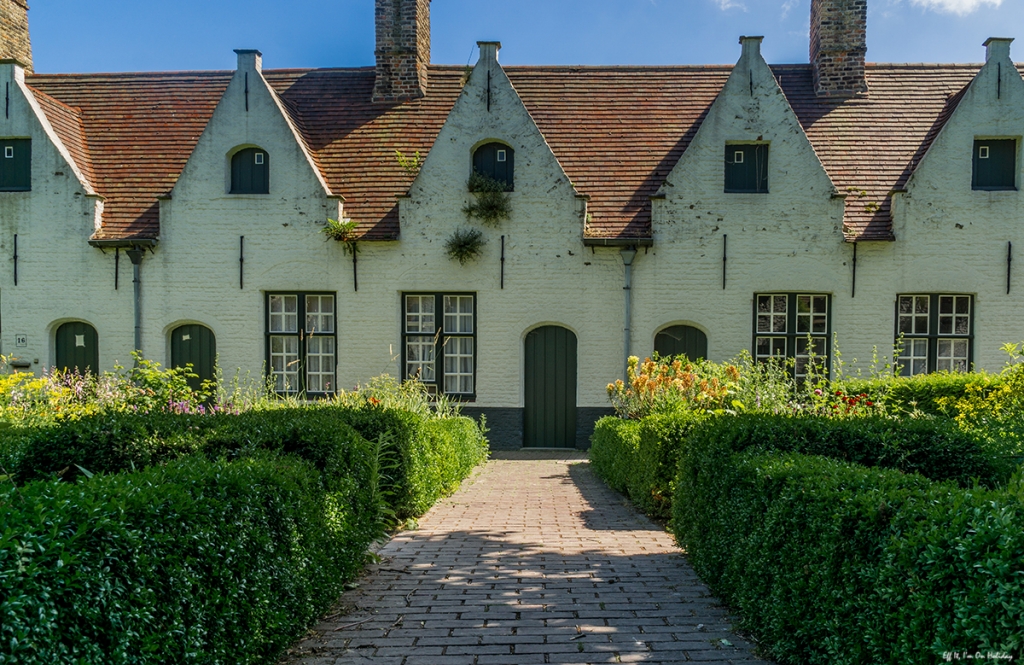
(135, 254)
(627, 254)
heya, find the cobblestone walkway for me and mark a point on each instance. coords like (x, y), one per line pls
(534, 560)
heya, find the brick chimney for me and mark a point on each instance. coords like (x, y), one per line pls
(403, 49)
(838, 46)
(14, 41)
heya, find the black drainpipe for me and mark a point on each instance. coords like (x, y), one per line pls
(135, 254)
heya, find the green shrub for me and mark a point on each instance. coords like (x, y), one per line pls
(830, 562)
(937, 449)
(653, 471)
(430, 456)
(921, 392)
(193, 561)
(613, 450)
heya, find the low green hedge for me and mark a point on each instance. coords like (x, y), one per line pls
(613, 449)
(831, 562)
(907, 394)
(935, 448)
(194, 561)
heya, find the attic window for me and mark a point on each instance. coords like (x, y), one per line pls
(497, 161)
(250, 172)
(746, 168)
(16, 166)
(994, 164)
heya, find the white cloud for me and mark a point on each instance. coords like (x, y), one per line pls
(788, 6)
(961, 7)
(730, 4)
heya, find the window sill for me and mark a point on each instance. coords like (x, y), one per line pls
(745, 191)
(19, 189)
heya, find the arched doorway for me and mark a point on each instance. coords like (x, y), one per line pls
(549, 417)
(681, 341)
(77, 347)
(195, 344)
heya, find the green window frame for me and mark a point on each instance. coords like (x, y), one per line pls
(746, 168)
(934, 333)
(439, 344)
(793, 326)
(250, 171)
(497, 161)
(15, 165)
(994, 165)
(301, 341)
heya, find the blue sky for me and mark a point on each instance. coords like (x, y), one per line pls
(129, 35)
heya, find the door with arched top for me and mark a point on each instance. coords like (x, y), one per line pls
(77, 347)
(195, 344)
(549, 417)
(681, 341)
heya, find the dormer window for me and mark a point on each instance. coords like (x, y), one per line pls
(496, 161)
(746, 167)
(995, 164)
(15, 165)
(250, 171)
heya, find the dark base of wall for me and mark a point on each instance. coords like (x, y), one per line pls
(505, 425)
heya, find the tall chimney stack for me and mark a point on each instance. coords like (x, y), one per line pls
(838, 46)
(403, 50)
(14, 41)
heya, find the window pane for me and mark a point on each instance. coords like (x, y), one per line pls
(952, 355)
(419, 314)
(320, 364)
(458, 314)
(458, 365)
(284, 313)
(320, 314)
(913, 359)
(284, 363)
(419, 358)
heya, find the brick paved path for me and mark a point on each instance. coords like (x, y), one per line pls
(534, 560)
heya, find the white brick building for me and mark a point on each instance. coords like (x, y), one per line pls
(757, 205)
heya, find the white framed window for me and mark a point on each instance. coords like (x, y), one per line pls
(9, 151)
(301, 342)
(934, 333)
(440, 350)
(793, 325)
(259, 158)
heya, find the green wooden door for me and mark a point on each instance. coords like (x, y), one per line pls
(78, 347)
(549, 419)
(197, 345)
(681, 341)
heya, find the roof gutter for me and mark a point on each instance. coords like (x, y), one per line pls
(618, 242)
(125, 242)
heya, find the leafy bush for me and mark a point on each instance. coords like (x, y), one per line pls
(195, 561)
(937, 449)
(923, 392)
(428, 457)
(652, 475)
(831, 562)
(613, 450)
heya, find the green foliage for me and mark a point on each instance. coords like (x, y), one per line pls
(343, 231)
(410, 165)
(491, 202)
(653, 473)
(936, 449)
(613, 447)
(831, 562)
(922, 393)
(464, 245)
(195, 561)
(388, 392)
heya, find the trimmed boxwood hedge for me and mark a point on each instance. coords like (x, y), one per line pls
(831, 562)
(639, 457)
(195, 561)
(206, 539)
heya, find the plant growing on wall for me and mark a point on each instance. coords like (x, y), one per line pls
(344, 232)
(492, 203)
(464, 245)
(410, 165)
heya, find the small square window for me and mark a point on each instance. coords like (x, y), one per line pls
(994, 164)
(737, 157)
(9, 152)
(259, 157)
(501, 156)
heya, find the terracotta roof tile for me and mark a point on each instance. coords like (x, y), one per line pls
(67, 123)
(617, 131)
